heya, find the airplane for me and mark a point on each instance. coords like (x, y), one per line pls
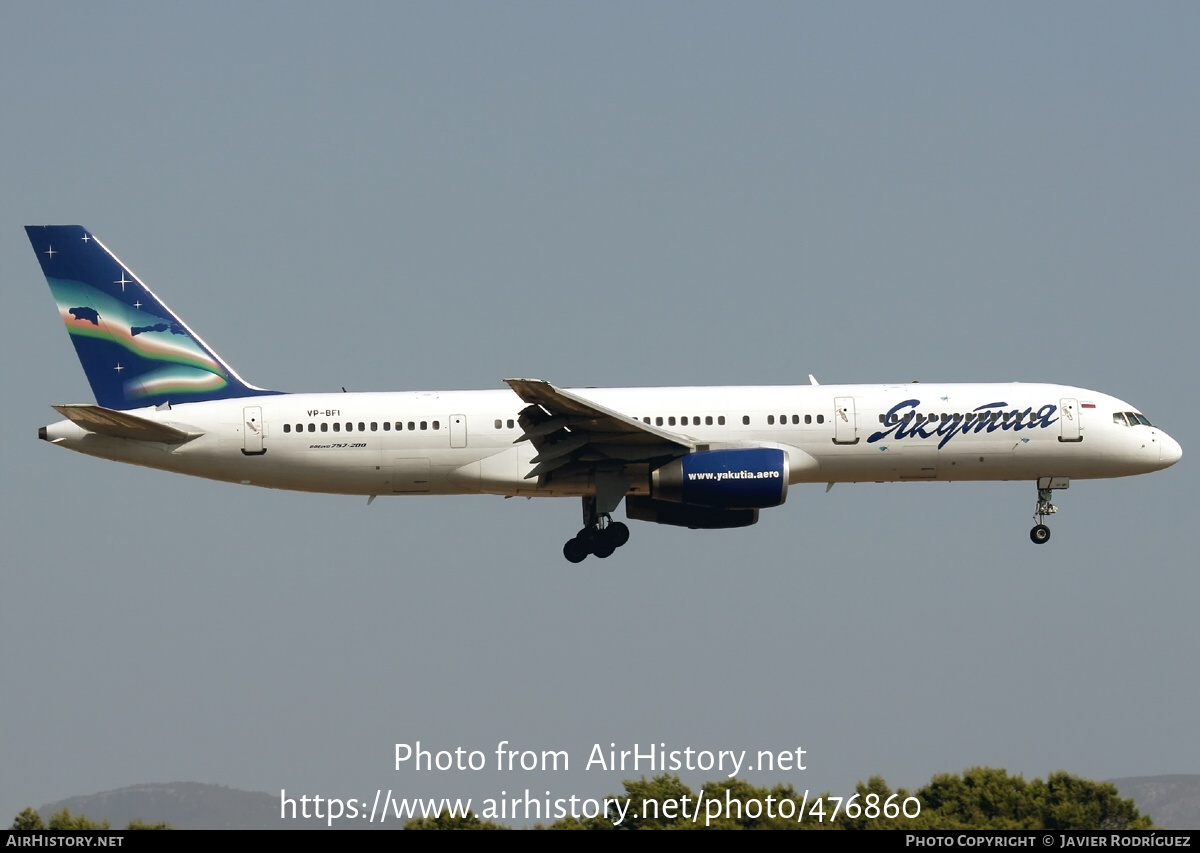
(696, 457)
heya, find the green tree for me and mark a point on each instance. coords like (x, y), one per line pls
(63, 819)
(28, 819)
(638, 792)
(746, 806)
(137, 823)
(1074, 803)
(876, 806)
(743, 806)
(978, 798)
(988, 798)
(446, 821)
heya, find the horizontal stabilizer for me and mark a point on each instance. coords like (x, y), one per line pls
(104, 421)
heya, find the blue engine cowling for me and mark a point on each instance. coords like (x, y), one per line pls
(750, 478)
(641, 508)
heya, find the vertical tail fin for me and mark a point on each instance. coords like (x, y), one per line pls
(134, 350)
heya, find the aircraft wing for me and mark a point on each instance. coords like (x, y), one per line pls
(110, 422)
(573, 434)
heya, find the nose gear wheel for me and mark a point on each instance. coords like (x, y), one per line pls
(1040, 534)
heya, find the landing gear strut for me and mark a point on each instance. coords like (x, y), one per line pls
(600, 535)
(1040, 534)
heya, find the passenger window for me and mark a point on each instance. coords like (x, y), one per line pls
(436, 425)
(708, 420)
(820, 419)
(287, 427)
(808, 419)
(387, 426)
(424, 424)
(683, 421)
(337, 427)
(795, 419)
(412, 424)
(510, 423)
(362, 427)
(658, 421)
(671, 420)
(324, 427)
(745, 420)
(720, 420)
(770, 420)
(349, 427)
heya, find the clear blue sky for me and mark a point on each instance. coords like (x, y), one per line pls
(418, 196)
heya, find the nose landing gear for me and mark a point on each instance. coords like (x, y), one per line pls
(1040, 534)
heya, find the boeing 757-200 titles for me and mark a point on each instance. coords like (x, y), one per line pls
(693, 457)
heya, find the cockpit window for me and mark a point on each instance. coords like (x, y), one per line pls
(1131, 419)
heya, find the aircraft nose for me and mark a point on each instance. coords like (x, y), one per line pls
(1169, 451)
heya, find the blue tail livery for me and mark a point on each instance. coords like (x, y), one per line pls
(134, 350)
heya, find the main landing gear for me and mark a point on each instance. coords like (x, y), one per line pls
(600, 535)
(1040, 534)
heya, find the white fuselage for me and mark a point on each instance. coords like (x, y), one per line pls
(460, 442)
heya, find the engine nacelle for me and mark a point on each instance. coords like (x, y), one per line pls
(740, 478)
(641, 508)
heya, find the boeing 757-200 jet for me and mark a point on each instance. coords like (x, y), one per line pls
(689, 456)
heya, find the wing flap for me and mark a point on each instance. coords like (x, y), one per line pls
(576, 436)
(584, 415)
(116, 424)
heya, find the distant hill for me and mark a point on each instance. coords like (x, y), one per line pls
(1172, 801)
